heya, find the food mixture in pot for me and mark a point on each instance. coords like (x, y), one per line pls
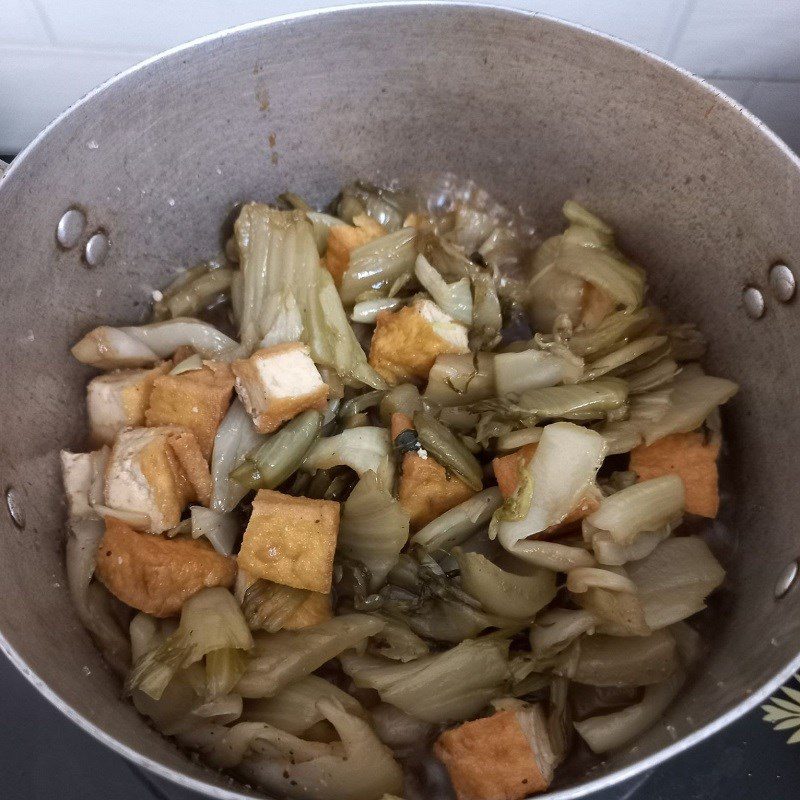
(390, 501)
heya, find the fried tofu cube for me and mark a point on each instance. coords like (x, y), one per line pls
(119, 400)
(155, 574)
(406, 342)
(186, 448)
(276, 383)
(343, 239)
(690, 456)
(506, 468)
(197, 400)
(145, 475)
(506, 471)
(291, 540)
(426, 490)
(315, 610)
(507, 756)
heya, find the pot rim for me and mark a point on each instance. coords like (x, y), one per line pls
(639, 767)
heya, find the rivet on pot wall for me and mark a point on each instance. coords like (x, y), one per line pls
(754, 304)
(786, 580)
(70, 228)
(14, 506)
(782, 282)
(96, 249)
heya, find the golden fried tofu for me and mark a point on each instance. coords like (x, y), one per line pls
(507, 756)
(343, 239)
(315, 610)
(276, 383)
(406, 342)
(145, 475)
(506, 471)
(691, 457)
(155, 574)
(119, 400)
(317, 607)
(506, 468)
(426, 490)
(186, 448)
(197, 400)
(291, 540)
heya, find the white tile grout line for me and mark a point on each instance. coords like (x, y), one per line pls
(680, 28)
(76, 51)
(45, 20)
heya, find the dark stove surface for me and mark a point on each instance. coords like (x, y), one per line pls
(44, 756)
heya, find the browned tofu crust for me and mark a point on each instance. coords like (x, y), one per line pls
(135, 400)
(315, 610)
(405, 345)
(490, 759)
(506, 468)
(291, 540)
(197, 400)
(163, 472)
(270, 413)
(689, 456)
(343, 239)
(506, 471)
(193, 466)
(154, 574)
(426, 490)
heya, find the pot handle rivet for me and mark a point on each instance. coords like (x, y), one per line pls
(14, 506)
(96, 249)
(70, 228)
(754, 303)
(782, 282)
(786, 580)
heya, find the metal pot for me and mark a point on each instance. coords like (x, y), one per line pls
(534, 110)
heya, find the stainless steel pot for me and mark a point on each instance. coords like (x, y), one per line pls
(535, 110)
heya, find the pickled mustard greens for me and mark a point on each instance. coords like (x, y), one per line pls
(480, 509)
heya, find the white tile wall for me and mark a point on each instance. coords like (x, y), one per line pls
(53, 51)
(36, 84)
(21, 23)
(742, 38)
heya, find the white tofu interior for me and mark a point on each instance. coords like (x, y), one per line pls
(443, 324)
(82, 474)
(105, 399)
(288, 374)
(126, 486)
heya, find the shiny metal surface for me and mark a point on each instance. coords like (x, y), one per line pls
(96, 250)
(535, 110)
(782, 282)
(787, 579)
(70, 228)
(755, 305)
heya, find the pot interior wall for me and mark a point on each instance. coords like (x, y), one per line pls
(533, 110)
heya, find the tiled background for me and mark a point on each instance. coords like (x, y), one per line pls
(53, 51)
